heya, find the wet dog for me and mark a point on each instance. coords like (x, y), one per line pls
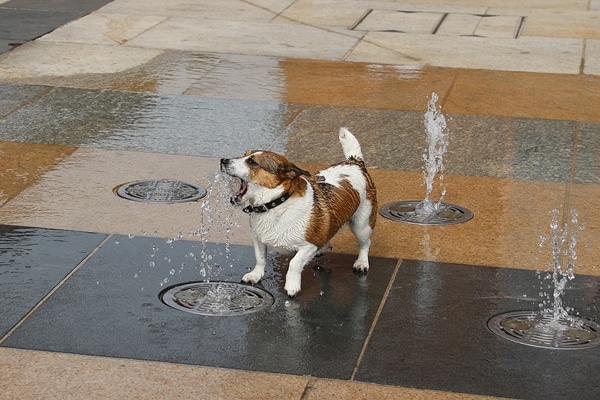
(292, 211)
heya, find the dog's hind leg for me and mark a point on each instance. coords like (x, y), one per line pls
(360, 227)
(293, 278)
(260, 253)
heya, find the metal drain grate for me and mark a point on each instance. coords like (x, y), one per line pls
(541, 330)
(161, 191)
(407, 211)
(217, 298)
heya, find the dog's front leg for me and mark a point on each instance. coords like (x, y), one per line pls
(293, 278)
(260, 254)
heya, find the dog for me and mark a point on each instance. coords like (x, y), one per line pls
(292, 211)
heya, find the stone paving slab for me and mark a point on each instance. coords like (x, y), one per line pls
(432, 334)
(554, 55)
(319, 333)
(32, 262)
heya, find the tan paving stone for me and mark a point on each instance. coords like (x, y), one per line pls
(563, 24)
(389, 20)
(246, 37)
(37, 374)
(103, 29)
(525, 54)
(592, 57)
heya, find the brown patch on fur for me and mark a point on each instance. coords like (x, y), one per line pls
(333, 207)
(270, 170)
(372, 197)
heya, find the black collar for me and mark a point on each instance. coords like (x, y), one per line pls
(267, 206)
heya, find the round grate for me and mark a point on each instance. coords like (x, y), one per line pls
(217, 298)
(161, 191)
(408, 211)
(541, 330)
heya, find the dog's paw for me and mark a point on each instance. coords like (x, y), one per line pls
(292, 287)
(252, 277)
(361, 266)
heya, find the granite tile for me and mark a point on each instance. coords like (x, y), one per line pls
(399, 21)
(432, 334)
(22, 165)
(320, 332)
(592, 57)
(584, 198)
(32, 262)
(14, 96)
(496, 6)
(563, 24)
(324, 13)
(531, 54)
(509, 217)
(483, 146)
(46, 59)
(7, 45)
(143, 122)
(223, 10)
(369, 85)
(81, 6)
(44, 374)
(528, 95)
(499, 26)
(516, 148)
(329, 12)
(459, 24)
(587, 168)
(23, 25)
(246, 37)
(103, 29)
(78, 194)
(335, 389)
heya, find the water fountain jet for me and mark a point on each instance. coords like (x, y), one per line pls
(428, 211)
(552, 326)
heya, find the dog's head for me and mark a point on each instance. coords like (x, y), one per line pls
(261, 172)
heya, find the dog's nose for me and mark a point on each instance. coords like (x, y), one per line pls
(224, 162)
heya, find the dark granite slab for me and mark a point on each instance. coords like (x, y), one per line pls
(516, 148)
(14, 96)
(32, 262)
(25, 20)
(587, 168)
(432, 334)
(73, 6)
(111, 307)
(146, 122)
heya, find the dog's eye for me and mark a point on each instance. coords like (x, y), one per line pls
(251, 162)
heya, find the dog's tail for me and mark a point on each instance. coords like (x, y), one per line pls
(350, 145)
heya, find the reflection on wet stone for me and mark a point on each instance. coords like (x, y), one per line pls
(145, 122)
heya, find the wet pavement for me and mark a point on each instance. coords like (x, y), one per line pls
(103, 93)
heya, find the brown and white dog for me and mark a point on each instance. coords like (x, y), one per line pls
(294, 212)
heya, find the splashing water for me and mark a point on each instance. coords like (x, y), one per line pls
(216, 213)
(216, 216)
(437, 142)
(564, 255)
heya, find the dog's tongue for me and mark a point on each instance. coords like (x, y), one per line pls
(237, 198)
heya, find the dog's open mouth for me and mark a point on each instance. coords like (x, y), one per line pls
(237, 197)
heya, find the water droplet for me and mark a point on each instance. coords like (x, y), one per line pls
(117, 240)
(152, 264)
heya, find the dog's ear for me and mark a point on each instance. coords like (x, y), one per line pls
(291, 171)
